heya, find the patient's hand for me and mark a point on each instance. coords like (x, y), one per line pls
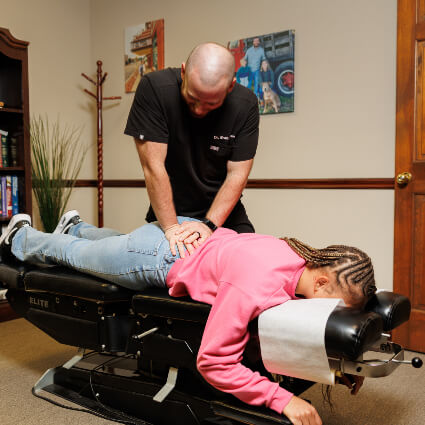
(193, 234)
(353, 382)
(299, 412)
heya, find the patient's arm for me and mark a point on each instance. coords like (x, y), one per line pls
(223, 343)
(300, 412)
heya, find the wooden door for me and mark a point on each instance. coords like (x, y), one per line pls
(409, 236)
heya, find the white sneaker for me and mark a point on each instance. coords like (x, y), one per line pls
(70, 218)
(16, 222)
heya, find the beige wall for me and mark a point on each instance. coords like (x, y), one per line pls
(59, 33)
(343, 124)
(362, 218)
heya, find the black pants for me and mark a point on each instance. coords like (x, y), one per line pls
(238, 220)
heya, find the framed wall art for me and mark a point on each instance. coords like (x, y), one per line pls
(265, 64)
(144, 51)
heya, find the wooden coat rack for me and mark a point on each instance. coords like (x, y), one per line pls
(99, 102)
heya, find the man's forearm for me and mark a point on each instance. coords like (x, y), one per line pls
(225, 200)
(161, 198)
(152, 158)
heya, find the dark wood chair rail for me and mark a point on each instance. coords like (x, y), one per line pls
(344, 183)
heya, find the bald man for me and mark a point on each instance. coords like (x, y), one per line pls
(196, 133)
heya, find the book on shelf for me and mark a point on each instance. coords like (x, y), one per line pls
(15, 197)
(8, 149)
(13, 151)
(4, 148)
(3, 197)
(3, 134)
(9, 196)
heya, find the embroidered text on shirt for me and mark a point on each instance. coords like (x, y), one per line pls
(224, 137)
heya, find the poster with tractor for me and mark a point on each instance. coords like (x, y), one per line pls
(265, 64)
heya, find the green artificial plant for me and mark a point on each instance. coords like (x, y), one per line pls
(56, 160)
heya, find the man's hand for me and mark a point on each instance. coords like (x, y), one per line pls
(193, 234)
(353, 382)
(184, 236)
(173, 239)
(299, 412)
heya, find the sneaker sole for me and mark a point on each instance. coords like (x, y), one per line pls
(13, 222)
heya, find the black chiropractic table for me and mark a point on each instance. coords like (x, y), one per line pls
(136, 361)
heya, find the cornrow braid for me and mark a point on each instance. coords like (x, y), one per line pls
(352, 266)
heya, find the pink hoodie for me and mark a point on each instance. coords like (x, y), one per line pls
(240, 275)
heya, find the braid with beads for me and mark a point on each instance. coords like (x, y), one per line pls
(350, 264)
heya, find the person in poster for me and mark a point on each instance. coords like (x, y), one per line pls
(243, 76)
(253, 57)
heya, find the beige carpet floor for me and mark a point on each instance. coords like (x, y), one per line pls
(26, 353)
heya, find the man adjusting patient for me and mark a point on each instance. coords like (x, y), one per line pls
(196, 133)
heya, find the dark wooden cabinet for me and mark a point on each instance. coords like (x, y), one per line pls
(14, 119)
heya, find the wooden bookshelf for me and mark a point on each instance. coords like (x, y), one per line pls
(14, 118)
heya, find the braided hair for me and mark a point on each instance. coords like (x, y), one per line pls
(353, 267)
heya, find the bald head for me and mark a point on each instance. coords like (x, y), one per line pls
(207, 78)
(213, 64)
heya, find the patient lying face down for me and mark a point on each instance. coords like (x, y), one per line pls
(239, 275)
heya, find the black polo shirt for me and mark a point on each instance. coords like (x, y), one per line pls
(198, 148)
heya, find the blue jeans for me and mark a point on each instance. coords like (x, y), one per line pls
(135, 260)
(255, 76)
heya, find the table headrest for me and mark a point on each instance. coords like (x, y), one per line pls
(349, 332)
(393, 308)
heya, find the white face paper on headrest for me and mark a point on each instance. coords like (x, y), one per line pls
(292, 339)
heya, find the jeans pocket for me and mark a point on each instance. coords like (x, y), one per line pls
(146, 239)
